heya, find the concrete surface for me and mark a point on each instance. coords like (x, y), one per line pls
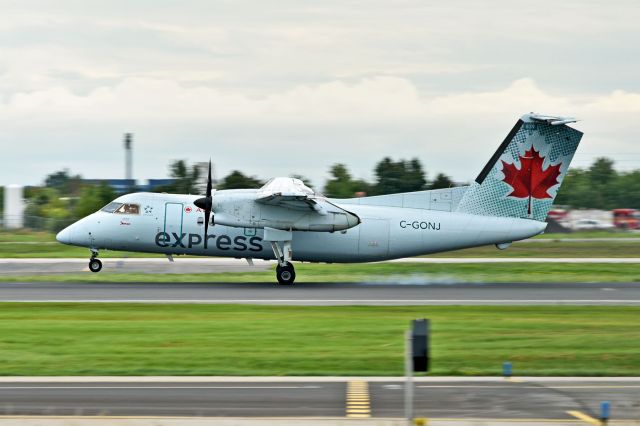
(402, 291)
(220, 265)
(453, 401)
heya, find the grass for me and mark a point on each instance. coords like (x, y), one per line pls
(592, 234)
(553, 249)
(392, 273)
(130, 339)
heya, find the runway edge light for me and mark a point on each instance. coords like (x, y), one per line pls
(605, 411)
(507, 369)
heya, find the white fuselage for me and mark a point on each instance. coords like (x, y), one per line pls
(172, 224)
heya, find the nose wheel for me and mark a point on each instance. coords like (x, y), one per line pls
(286, 274)
(95, 265)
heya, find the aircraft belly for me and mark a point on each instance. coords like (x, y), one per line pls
(326, 246)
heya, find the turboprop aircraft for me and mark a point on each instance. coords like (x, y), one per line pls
(288, 221)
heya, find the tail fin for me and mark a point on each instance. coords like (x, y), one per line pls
(522, 178)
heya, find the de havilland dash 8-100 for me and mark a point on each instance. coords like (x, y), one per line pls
(287, 221)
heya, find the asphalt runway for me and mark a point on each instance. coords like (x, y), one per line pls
(206, 265)
(489, 398)
(411, 293)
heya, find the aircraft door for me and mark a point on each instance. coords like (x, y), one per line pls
(374, 237)
(173, 221)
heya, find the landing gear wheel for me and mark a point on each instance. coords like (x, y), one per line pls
(95, 265)
(286, 274)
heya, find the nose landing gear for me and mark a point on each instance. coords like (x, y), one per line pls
(95, 265)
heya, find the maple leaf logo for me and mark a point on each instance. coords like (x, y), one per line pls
(530, 180)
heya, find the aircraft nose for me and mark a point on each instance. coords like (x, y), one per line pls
(65, 236)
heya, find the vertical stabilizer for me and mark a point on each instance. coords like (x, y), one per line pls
(524, 175)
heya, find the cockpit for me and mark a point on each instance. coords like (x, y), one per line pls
(121, 208)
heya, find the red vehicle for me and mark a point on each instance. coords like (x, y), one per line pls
(559, 214)
(626, 218)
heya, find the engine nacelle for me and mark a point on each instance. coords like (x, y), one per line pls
(238, 209)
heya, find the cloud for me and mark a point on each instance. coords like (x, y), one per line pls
(374, 101)
(356, 122)
(297, 86)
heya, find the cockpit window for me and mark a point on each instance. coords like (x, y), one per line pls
(128, 209)
(111, 207)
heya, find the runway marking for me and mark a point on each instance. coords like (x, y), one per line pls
(358, 405)
(580, 415)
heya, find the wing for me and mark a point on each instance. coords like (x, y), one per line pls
(294, 194)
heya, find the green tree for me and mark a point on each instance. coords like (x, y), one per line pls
(627, 190)
(441, 181)
(342, 185)
(602, 171)
(47, 210)
(576, 190)
(92, 199)
(399, 176)
(238, 180)
(64, 182)
(186, 178)
(602, 177)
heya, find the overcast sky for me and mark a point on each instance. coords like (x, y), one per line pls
(280, 87)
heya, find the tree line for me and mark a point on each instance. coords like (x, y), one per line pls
(390, 177)
(600, 186)
(65, 197)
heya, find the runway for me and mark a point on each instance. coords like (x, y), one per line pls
(484, 398)
(408, 293)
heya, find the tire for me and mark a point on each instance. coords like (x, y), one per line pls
(95, 265)
(286, 275)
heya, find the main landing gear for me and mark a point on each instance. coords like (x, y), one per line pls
(280, 241)
(95, 265)
(285, 272)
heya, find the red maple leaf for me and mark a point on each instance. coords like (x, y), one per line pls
(530, 180)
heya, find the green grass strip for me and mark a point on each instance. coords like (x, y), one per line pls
(149, 339)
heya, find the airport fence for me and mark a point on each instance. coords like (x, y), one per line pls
(35, 223)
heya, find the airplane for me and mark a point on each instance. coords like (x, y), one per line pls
(287, 221)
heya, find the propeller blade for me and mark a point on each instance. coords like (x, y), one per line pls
(206, 226)
(205, 203)
(209, 184)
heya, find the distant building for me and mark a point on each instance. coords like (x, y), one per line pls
(153, 184)
(13, 207)
(122, 186)
(118, 185)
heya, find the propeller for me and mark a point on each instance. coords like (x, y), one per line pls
(205, 203)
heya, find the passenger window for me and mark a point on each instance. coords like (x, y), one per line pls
(129, 209)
